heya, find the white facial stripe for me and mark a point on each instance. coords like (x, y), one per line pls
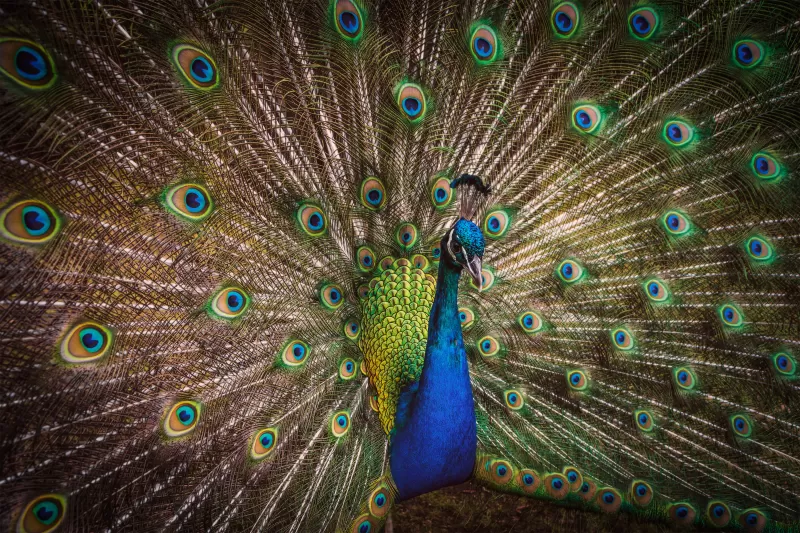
(450, 245)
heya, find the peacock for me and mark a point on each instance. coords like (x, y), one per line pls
(278, 266)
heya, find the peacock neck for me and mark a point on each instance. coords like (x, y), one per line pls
(435, 445)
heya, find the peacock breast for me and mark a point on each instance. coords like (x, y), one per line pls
(395, 315)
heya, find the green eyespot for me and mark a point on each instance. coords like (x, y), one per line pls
(348, 20)
(42, 514)
(488, 346)
(331, 296)
(678, 133)
(656, 290)
(264, 442)
(513, 399)
(530, 322)
(295, 353)
(312, 220)
(644, 420)
(622, 339)
(195, 66)
(643, 23)
(765, 167)
(182, 418)
(496, 223)
(484, 45)
(684, 378)
(86, 342)
(366, 258)
(564, 19)
(29, 222)
(577, 380)
(347, 369)
(741, 425)
(731, 316)
(229, 303)
(586, 118)
(759, 249)
(411, 102)
(676, 223)
(189, 201)
(784, 364)
(569, 271)
(747, 54)
(406, 235)
(373, 194)
(340, 424)
(26, 63)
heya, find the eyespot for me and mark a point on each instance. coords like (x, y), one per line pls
(366, 258)
(644, 420)
(496, 223)
(784, 364)
(564, 19)
(488, 346)
(752, 520)
(747, 54)
(340, 424)
(718, 513)
(29, 222)
(587, 490)
(586, 118)
(643, 23)
(406, 235)
(380, 501)
(373, 194)
(347, 369)
(195, 66)
(500, 471)
(675, 223)
(529, 480)
(731, 316)
(677, 133)
(43, 514)
(656, 290)
(229, 303)
(189, 201)
(556, 486)
(436, 253)
(684, 378)
(576, 380)
(363, 291)
(608, 500)
(467, 317)
(411, 101)
(86, 342)
(765, 166)
(331, 296)
(530, 322)
(348, 20)
(483, 44)
(421, 262)
(182, 418)
(513, 399)
(312, 220)
(574, 478)
(741, 426)
(295, 353)
(622, 339)
(681, 513)
(641, 493)
(364, 524)
(27, 63)
(569, 271)
(385, 263)
(759, 249)
(352, 329)
(263, 443)
(487, 275)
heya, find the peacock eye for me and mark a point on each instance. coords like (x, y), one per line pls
(748, 54)
(411, 101)
(641, 493)
(530, 321)
(622, 339)
(718, 513)
(574, 478)
(229, 303)
(86, 342)
(182, 418)
(529, 480)
(752, 520)
(784, 364)
(741, 426)
(373, 193)
(352, 329)
(487, 277)
(643, 23)
(263, 443)
(312, 220)
(564, 19)
(765, 166)
(684, 378)
(759, 249)
(656, 290)
(675, 223)
(586, 118)
(347, 369)
(340, 424)
(330, 296)
(441, 193)
(196, 67)
(577, 381)
(43, 514)
(467, 317)
(644, 420)
(609, 500)
(488, 346)
(406, 235)
(569, 271)
(484, 44)
(27, 63)
(731, 316)
(513, 399)
(681, 513)
(348, 19)
(557, 486)
(295, 353)
(587, 490)
(380, 501)
(189, 201)
(678, 133)
(364, 524)
(366, 258)
(496, 223)
(29, 222)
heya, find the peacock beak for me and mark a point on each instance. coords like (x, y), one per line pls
(474, 267)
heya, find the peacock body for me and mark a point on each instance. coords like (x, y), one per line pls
(250, 280)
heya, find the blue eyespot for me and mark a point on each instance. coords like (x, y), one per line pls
(585, 487)
(91, 339)
(462, 316)
(235, 301)
(683, 376)
(751, 519)
(682, 512)
(298, 351)
(202, 70)
(412, 106)
(486, 345)
(564, 19)
(675, 134)
(374, 197)
(653, 288)
(643, 418)
(186, 415)
(527, 320)
(575, 379)
(36, 220)
(267, 439)
(30, 64)
(556, 483)
(494, 223)
(572, 477)
(441, 194)
(350, 366)
(608, 498)
(620, 337)
(641, 490)
(527, 479)
(583, 119)
(502, 470)
(315, 222)
(567, 270)
(380, 500)
(513, 398)
(194, 200)
(436, 253)
(341, 420)
(640, 24)
(483, 47)
(744, 53)
(349, 22)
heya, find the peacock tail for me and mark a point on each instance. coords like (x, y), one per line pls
(224, 228)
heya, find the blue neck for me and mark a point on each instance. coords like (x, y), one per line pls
(434, 445)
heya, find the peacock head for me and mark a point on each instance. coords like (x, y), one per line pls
(464, 244)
